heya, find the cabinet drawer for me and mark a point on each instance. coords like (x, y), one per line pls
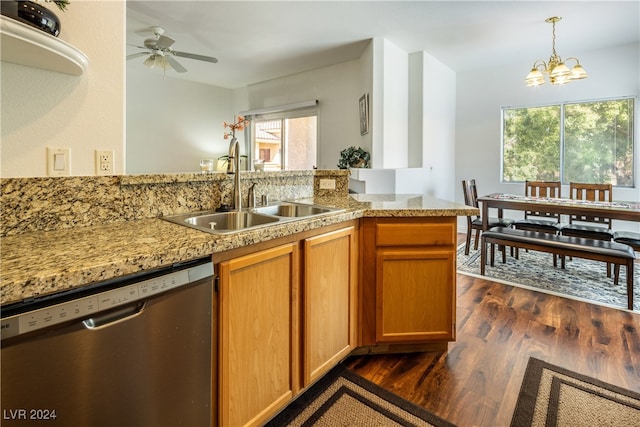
(419, 233)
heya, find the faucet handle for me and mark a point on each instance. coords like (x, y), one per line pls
(251, 197)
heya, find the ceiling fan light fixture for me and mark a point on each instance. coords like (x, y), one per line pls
(157, 60)
(161, 62)
(150, 61)
(161, 54)
(555, 70)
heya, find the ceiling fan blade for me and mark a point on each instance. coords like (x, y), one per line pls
(135, 45)
(164, 42)
(136, 55)
(194, 56)
(175, 64)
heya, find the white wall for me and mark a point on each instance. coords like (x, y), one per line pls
(416, 110)
(337, 88)
(366, 87)
(438, 128)
(389, 104)
(395, 105)
(173, 123)
(481, 94)
(422, 110)
(43, 109)
(376, 112)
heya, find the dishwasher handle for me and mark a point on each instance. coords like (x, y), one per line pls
(113, 317)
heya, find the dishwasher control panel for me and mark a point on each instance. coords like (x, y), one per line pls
(87, 306)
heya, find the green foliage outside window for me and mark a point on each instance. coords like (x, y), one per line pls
(531, 146)
(595, 145)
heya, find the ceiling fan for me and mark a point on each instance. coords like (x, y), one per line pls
(161, 55)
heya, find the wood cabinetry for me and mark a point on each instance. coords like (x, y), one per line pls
(288, 309)
(329, 297)
(258, 327)
(287, 315)
(408, 287)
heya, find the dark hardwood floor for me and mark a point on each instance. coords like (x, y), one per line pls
(477, 380)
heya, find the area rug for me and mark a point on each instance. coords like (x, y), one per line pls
(553, 396)
(343, 398)
(582, 279)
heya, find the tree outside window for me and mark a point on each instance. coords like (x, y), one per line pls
(588, 142)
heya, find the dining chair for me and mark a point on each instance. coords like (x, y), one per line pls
(543, 222)
(628, 238)
(470, 192)
(589, 226)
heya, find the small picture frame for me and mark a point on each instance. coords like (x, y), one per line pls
(364, 114)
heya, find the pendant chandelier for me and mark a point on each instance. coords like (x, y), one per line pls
(555, 69)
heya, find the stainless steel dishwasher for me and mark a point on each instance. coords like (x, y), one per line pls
(130, 352)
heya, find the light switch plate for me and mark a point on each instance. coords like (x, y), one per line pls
(58, 161)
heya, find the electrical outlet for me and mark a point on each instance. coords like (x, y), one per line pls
(327, 184)
(104, 162)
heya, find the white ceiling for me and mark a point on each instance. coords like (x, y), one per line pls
(261, 40)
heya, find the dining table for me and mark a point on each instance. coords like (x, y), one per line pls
(619, 210)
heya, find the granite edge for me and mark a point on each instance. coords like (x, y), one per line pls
(195, 244)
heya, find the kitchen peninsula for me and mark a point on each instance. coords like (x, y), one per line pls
(378, 275)
(39, 263)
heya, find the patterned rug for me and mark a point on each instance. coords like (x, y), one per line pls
(581, 279)
(554, 396)
(344, 399)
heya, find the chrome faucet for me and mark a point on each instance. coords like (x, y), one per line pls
(233, 166)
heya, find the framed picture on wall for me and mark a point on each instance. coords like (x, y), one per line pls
(364, 114)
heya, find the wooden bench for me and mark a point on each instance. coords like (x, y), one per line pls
(597, 250)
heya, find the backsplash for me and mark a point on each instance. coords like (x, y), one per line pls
(45, 204)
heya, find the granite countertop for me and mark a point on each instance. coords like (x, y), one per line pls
(41, 263)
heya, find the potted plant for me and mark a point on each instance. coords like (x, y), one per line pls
(353, 157)
(62, 4)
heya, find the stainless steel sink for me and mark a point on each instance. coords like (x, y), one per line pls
(230, 222)
(223, 222)
(287, 209)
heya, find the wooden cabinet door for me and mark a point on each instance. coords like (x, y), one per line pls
(329, 306)
(258, 335)
(415, 298)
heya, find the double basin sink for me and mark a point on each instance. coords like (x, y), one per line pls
(250, 218)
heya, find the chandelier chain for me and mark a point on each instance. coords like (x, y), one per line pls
(555, 59)
(553, 39)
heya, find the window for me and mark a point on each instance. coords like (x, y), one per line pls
(286, 143)
(571, 142)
